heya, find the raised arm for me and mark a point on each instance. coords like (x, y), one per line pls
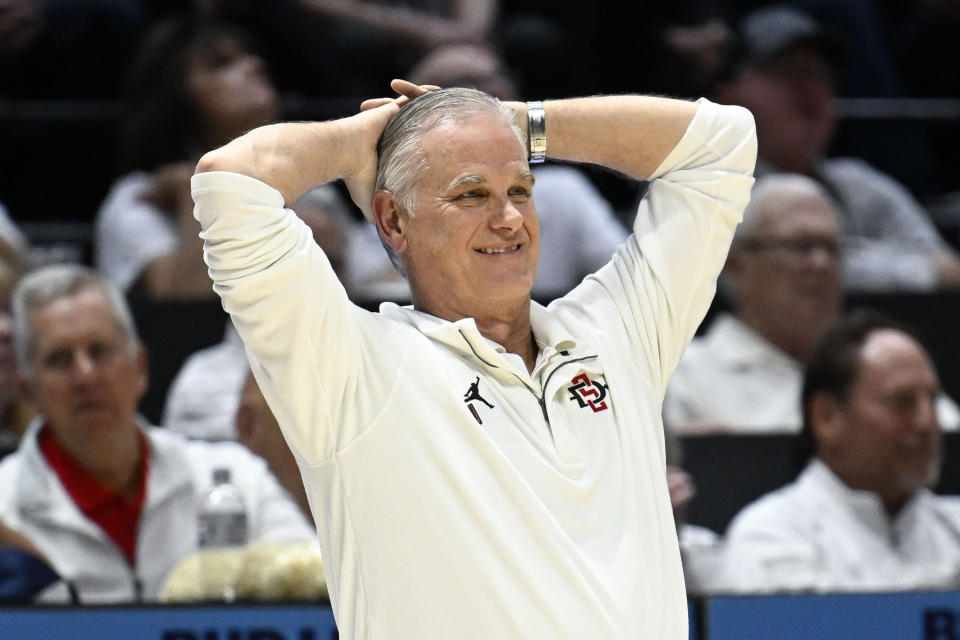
(293, 157)
(631, 134)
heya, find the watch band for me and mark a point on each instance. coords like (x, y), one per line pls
(537, 132)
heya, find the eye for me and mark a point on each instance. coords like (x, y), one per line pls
(98, 350)
(902, 401)
(472, 194)
(59, 359)
(519, 193)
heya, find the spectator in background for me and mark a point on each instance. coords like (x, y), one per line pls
(783, 278)
(14, 413)
(785, 73)
(109, 501)
(258, 430)
(701, 549)
(193, 86)
(860, 517)
(203, 398)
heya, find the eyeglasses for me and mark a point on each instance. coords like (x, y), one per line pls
(797, 246)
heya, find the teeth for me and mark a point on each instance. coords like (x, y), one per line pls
(504, 250)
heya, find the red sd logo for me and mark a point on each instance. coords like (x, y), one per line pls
(588, 393)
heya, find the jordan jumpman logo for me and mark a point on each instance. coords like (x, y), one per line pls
(473, 393)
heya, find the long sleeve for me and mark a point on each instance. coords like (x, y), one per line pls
(662, 280)
(311, 350)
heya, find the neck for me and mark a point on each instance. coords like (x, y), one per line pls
(506, 324)
(893, 497)
(795, 339)
(114, 461)
(514, 337)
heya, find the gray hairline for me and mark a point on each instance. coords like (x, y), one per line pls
(771, 184)
(54, 282)
(757, 206)
(400, 151)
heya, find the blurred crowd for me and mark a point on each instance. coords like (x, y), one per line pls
(97, 505)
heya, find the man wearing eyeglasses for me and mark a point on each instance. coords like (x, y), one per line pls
(783, 279)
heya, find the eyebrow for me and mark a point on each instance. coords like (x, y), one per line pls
(474, 180)
(468, 181)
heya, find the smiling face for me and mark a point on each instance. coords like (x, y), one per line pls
(473, 241)
(885, 436)
(85, 376)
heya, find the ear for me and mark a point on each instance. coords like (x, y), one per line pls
(389, 221)
(826, 419)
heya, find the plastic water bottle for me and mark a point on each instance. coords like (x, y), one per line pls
(222, 531)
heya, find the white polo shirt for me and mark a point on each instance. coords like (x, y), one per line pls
(456, 495)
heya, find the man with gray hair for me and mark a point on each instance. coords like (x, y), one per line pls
(478, 465)
(111, 503)
(783, 278)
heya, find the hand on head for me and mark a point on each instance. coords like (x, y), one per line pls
(407, 91)
(376, 113)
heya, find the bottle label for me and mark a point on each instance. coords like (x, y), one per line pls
(223, 529)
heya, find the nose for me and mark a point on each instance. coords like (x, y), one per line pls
(254, 65)
(84, 365)
(925, 418)
(507, 217)
(822, 256)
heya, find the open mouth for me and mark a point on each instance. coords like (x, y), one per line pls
(492, 251)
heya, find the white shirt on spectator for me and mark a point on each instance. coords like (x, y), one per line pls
(129, 232)
(819, 535)
(734, 380)
(204, 396)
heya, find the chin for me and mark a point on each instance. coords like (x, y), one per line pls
(510, 290)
